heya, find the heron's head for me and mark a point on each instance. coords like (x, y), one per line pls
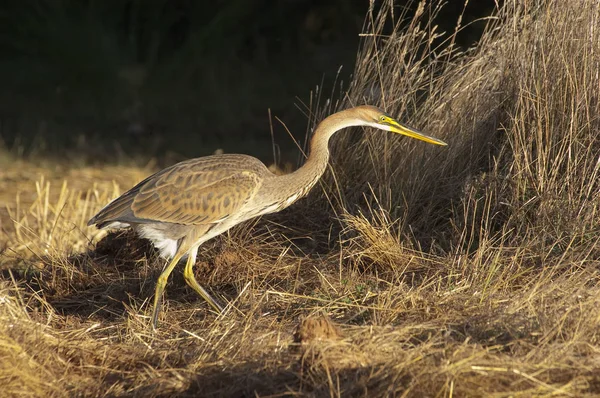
(375, 117)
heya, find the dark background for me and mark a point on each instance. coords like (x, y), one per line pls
(113, 78)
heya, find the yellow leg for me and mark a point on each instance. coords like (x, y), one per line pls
(161, 283)
(188, 274)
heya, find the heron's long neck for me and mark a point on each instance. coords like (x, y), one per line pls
(303, 179)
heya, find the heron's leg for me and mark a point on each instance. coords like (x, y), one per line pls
(161, 283)
(188, 274)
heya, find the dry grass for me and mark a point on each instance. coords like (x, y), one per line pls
(467, 271)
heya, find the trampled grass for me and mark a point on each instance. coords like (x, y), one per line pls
(412, 270)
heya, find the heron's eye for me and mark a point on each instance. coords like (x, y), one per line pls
(382, 118)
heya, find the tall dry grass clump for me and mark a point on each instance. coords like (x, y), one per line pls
(471, 270)
(520, 114)
(509, 208)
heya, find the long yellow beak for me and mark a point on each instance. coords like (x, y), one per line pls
(396, 127)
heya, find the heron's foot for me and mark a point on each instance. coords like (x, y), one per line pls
(161, 284)
(188, 274)
(156, 311)
(193, 283)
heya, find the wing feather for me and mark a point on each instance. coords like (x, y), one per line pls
(187, 193)
(187, 201)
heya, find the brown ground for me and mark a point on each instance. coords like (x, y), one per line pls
(411, 270)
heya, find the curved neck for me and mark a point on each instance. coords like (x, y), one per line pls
(319, 143)
(303, 179)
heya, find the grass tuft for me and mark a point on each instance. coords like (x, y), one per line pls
(471, 270)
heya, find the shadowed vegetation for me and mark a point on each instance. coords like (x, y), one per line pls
(470, 270)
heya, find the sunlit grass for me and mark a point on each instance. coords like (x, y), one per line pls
(471, 270)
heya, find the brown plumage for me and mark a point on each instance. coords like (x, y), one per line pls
(184, 205)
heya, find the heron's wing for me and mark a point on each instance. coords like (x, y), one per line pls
(188, 193)
(189, 199)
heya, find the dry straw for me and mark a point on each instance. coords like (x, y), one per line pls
(470, 271)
